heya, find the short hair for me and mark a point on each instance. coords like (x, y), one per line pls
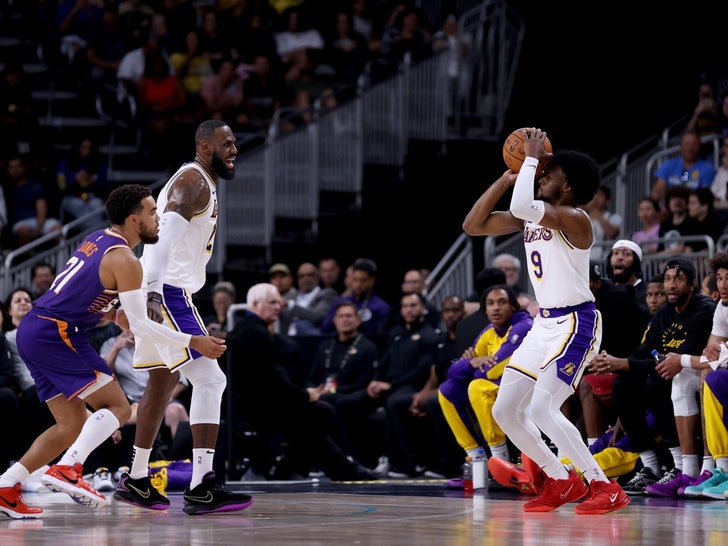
(680, 192)
(582, 174)
(512, 297)
(505, 256)
(41, 265)
(345, 303)
(366, 265)
(125, 201)
(225, 286)
(719, 261)
(705, 197)
(259, 292)
(206, 130)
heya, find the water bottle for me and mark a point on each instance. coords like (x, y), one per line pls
(659, 357)
(480, 473)
(468, 476)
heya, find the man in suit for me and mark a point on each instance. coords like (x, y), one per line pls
(303, 314)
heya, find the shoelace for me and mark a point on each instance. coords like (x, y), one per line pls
(668, 477)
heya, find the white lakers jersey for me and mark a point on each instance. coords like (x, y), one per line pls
(187, 263)
(559, 271)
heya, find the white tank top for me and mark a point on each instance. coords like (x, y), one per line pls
(188, 260)
(559, 271)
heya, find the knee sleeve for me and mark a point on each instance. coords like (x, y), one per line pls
(685, 392)
(208, 384)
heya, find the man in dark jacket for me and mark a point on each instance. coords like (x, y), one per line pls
(267, 399)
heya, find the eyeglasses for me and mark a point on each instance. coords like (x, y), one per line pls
(273, 302)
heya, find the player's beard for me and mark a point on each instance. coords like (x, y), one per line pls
(149, 237)
(219, 168)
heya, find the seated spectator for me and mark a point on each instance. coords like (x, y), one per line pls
(222, 93)
(162, 100)
(706, 221)
(346, 51)
(607, 225)
(679, 223)
(107, 45)
(296, 36)
(35, 417)
(468, 394)
(474, 322)
(342, 367)
(42, 276)
(511, 266)
(709, 287)
(689, 170)
(400, 374)
(648, 211)
(262, 93)
(720, 182)
(223, 296)
(330, 273)
(191, 67)
(704, 119)
(304, 314)
(269, 401)
(27, 204)
(83, 184)
(414, 281)
(372, 309)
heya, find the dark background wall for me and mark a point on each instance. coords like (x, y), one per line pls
(597, 76)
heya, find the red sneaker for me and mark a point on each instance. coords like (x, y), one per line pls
(535, 472)
(510, 475)
(558, 492)
(11, 504)
(69, 479)
(603, 497)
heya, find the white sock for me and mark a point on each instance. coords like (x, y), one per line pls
(500, 451)
(690, 465)
(722, 463)
(649, 460)
(708, 464)
(17, 473)
(475, 452)
(201, 464)
(140, 463)
(676, 457)
(591, 441)
(98, 427)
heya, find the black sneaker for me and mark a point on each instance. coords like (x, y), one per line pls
(640, 481)
(140, 492)
(211, 497)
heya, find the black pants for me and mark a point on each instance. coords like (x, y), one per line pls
(636, 393)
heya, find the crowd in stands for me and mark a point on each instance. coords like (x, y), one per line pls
(182, 62)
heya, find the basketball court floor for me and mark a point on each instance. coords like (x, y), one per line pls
(383, 513)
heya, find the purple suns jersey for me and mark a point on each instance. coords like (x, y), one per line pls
(77, 295)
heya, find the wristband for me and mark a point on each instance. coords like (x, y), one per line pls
(685, 361)
(155, 300)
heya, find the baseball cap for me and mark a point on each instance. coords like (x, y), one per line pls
(279, 268)
(634, 247)
(684, 265)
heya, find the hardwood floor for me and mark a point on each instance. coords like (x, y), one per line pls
(384, 513)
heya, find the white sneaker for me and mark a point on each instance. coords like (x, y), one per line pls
(102, 480)
(118, 473)
(32, 483)
(383, 467)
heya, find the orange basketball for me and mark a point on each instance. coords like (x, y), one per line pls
(513, 153)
